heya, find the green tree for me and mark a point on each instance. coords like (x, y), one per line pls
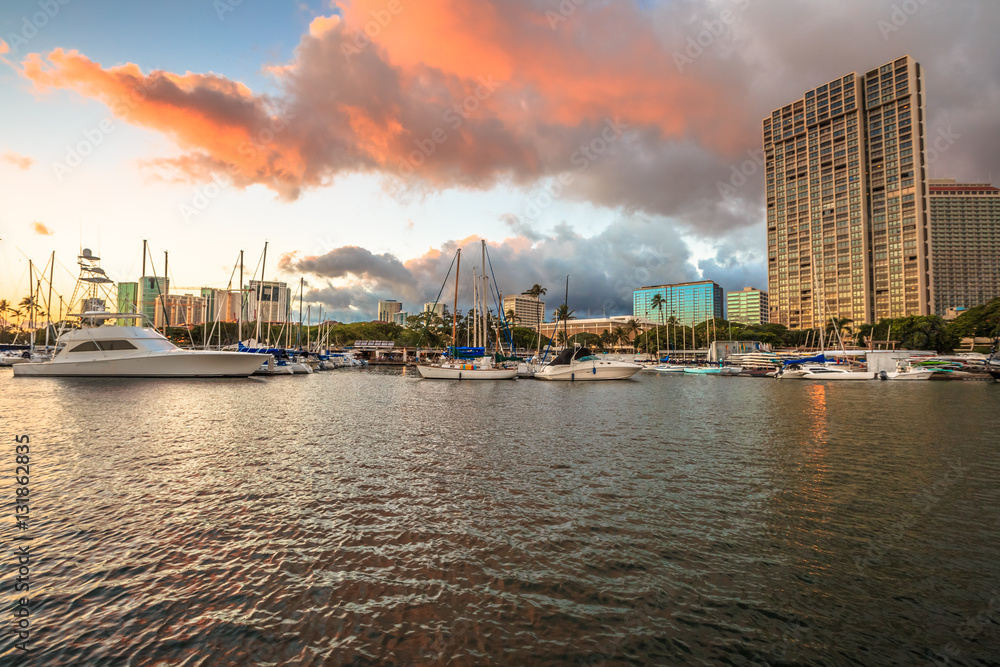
(657, 303)
(536, 291)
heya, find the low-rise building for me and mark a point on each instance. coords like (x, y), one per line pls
(748, 306)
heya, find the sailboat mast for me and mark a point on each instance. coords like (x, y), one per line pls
(566, 314)
(31, 304)
(475, 308)
(166, 290)
(260, 291)
(454, 312)
(301, 285)
(48, 304)
(483, 295)
(239, 326)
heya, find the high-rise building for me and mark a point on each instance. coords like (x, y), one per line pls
(151, 288)
(222, 305)
(270, 301)
(128, 302)
(527, 310)
(388, 308)
(437, 309)
(177, 310)
(847, 200)
(965, 244)
(400, 318)
(748, 306)
(688, 303)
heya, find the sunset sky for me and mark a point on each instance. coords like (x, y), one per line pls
(365, 140)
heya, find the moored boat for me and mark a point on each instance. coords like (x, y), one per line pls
(581, 365)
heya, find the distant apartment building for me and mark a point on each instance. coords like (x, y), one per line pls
(400, 318)
(180, 310)
(965, 244)
(437, 309)
(748, 306)
(387, 309)
(688, 303)
(150, 289)
(846, 197)
(128, 302)
(222, 305)
(270, 301)
(528, 310)
(596, 326)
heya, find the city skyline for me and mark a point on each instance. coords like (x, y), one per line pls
(221, 144)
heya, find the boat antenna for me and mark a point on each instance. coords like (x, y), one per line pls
(566, 313)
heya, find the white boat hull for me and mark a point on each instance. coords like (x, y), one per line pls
(172, 363)
(846, 375)
(464, 372)
(589, 371)
(909, 375)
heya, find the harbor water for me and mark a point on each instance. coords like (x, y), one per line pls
(367, 517)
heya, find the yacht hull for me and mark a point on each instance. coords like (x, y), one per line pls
(460, 372)
(187, 364)
(589, 371)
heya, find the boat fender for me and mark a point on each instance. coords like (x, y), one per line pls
(595, 370)
(460, 375)
(572, 377)
(882, 375)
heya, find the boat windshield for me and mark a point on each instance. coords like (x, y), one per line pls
(588, 358)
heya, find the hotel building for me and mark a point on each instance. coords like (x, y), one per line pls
(529, 311)
(847, 200)
(688, 303)
(387, 309)
(748, 306)
(965, 244)
(180, 310)
(270, 301)
(150, 289)
(222, 305)
(128, 302)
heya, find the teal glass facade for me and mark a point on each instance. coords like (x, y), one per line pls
(688, 303)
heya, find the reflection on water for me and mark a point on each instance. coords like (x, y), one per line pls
(360, 517)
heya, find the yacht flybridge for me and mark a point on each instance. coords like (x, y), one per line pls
(107, 350)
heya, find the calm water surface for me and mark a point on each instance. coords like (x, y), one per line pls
(367, 517)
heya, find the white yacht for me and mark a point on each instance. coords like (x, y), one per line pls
(98, 349)
(905, 371)
(581, 365)
(836, 373)
(132, 351)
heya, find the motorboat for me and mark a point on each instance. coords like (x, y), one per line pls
(796, 371)
(133, 351)
(836, 373)
(702, 370)
(669, 368)
(581, 365)
(905, 371)
(102, 349)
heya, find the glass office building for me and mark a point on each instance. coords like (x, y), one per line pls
(687, 303)
(748, 306)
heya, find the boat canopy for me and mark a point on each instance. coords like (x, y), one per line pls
(567, 355)
(276, 352)
(818, 359)
(466, 352)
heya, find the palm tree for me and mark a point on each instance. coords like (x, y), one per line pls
(512, 316)
(536, 290)
(618, 335)
(30, 305)
(632, 331)
(563, 313)
(657, 304)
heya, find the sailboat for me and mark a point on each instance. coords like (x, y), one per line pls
(469, 363)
